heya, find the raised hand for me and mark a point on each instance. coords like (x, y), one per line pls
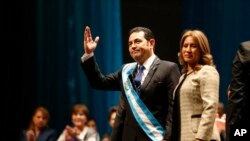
(88, 43)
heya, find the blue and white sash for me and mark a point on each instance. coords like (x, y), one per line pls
(144, 117)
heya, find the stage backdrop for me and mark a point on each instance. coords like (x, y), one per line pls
(226, 23)
(60, 81)
(44, 44)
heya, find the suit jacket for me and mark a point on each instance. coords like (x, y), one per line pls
(156, 93)
(238, 102)
(197, 105)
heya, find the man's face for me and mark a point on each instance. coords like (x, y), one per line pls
(139, 48)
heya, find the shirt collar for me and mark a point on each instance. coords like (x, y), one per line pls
(149, 61)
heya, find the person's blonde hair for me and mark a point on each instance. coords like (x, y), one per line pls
(201, 39)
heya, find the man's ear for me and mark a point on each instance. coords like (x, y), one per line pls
(152, 43)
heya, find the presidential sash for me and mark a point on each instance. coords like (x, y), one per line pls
(143, 116)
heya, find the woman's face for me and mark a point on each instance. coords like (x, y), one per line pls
(190, 51)
(79, 119)
(92, 124)
(112, 119)
(39, 120)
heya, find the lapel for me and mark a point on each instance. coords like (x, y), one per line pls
(150, 74)
(182, 78)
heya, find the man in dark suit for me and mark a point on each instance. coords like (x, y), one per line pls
(145, 109)
(238, 119)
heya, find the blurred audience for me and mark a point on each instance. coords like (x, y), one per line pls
(38, 129)
(221, 121)
(92, 124)
(111, 120)
(79, 131)
(106, 137)
(112, 115)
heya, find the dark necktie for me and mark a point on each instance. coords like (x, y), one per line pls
(138, 78)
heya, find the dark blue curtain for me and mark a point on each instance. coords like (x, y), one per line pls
(226, 23)
(60, 81)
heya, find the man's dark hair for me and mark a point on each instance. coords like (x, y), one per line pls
(148, 34)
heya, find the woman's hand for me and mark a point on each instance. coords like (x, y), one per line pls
(31, 135)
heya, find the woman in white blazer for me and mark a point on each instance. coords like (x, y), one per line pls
(197, 95)
(79, 131)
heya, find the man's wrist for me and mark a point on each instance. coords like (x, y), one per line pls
(86, 56)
